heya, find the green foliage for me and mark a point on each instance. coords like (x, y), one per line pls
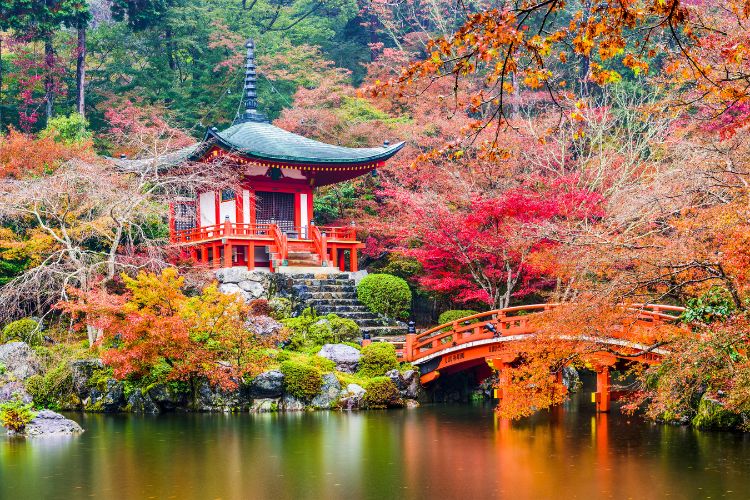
(382, 393)
(15, 414)
(310, 331)
(377, 359)
(2, 369)
(281, 308)
(52, 390)
(26, 330)
(301, 381)
(385, 294)
(714, 305)
(71, 129)
(332, 202)
(455, 314)
(712, 415)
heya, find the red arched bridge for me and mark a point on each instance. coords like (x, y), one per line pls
(486, 339)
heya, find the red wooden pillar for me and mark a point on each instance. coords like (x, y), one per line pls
(334, 256)
(204, 254)
(228, 255)
(217, 256)
(342, 261)
(602, 395)
(250, 257)
(353, 266)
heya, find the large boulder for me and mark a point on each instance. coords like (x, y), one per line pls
(167, 398)
(82, 370)
(265, 405)
(290, 403)
(211, 398)
(49, 423)
(19, 360)
(253, 289)
(407, 383)
(346, 357)
(263, 325)
(268, 384)
(13, 389)
(329, 392)
(110, 399)
(138, 402)
(351, 397)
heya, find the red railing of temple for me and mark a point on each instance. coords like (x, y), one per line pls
(217, 231)
(280, 240)
(320, 243)
(505, 322)
(228, 229)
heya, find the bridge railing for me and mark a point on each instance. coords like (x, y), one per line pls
(502, 322)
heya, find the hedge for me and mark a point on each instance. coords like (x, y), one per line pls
(377, 359)
(385, 294)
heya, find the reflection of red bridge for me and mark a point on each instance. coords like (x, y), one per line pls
(487, 339)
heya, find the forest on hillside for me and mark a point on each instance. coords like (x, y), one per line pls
(581, 152)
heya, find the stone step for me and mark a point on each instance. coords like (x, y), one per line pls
(341, 309)
(332, 295)
(386, 331)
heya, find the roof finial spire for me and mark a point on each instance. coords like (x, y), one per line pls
(250, 97)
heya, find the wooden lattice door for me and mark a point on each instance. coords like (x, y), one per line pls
(184, 215)
(275, 208)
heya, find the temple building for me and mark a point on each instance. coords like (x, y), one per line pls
(268, 220)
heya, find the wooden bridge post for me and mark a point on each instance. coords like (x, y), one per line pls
(602, 396)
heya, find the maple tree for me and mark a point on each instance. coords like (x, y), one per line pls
(155, 330)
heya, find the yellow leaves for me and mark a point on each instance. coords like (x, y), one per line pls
(155, 292)
(603, 76)
(637, 65)
(535, 79)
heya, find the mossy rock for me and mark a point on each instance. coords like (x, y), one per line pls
(713, 415)
(382, 393)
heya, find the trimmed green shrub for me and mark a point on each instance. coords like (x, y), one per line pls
(15, 414)
(301, 381)
(454, 314)
(377, 359)
(382, 393)
(310, 330)
(26, 330)
(385, 294)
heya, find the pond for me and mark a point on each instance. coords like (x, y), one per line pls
(430, 452)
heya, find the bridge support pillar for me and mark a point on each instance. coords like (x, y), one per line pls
(602, 396)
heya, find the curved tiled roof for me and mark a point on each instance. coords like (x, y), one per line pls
(265, 141)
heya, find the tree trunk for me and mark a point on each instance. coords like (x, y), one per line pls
(170, 49)
(49, 84)
(81, 69)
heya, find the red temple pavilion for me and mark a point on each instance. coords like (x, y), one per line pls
(268, 222)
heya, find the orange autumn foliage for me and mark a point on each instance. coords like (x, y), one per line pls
(22, 155)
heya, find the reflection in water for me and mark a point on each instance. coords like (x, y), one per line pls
(432, 452)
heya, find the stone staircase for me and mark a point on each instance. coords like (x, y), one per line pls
(338, 294)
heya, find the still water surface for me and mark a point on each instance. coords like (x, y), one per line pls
(438, 452)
